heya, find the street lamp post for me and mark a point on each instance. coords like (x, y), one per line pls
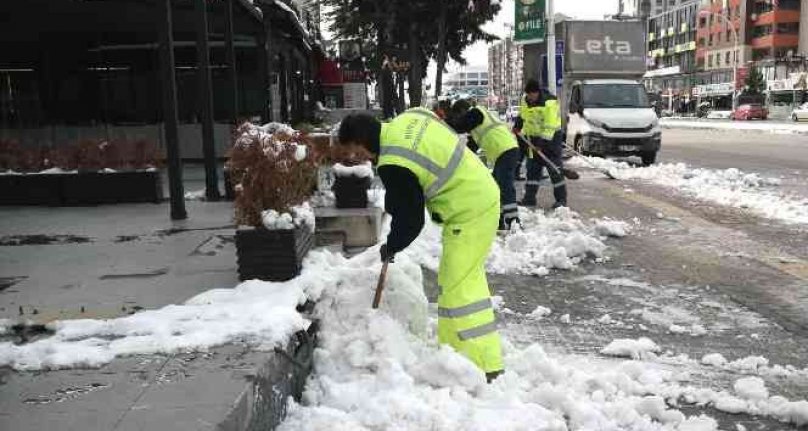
(705, 13)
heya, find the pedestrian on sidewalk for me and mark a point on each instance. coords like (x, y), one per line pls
(501, 151)
(539, 122)
(423, 163)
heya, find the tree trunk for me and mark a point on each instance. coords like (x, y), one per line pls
(416, 70)
(386, 85)
(401, 102)
(441, 49)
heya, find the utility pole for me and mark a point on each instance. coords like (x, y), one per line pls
(551, 47)
(175, 189)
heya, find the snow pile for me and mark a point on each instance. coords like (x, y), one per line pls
(364, 170)
(628, 348)
(540, 312)
(301, 215)
(730, 187)
(373, 372)
(196, 195)
(714, 359)
(559, 240)
(259, 313)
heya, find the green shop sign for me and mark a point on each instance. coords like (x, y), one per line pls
(529, 22)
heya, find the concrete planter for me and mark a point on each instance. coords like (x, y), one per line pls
(272, 255)
(83, 188)
(351, 192)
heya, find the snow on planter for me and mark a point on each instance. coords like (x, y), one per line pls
(298, 216)
(364, 170)
(730, 187)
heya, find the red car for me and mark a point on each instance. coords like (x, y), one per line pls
(750, 112)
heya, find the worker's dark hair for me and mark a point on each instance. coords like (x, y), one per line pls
(445, 104)
(360, 129)
(460, 107)
(532, 86)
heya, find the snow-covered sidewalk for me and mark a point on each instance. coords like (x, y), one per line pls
(730, 187)
(382, 369)
(755, 126)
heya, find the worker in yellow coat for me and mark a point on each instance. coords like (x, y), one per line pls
(539, 122)
(423, 164)
(501, 151)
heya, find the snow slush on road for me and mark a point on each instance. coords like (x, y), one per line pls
(729, 187)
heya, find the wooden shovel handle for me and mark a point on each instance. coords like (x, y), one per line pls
(377, 298)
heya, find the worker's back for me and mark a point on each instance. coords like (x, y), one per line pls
(456, 184)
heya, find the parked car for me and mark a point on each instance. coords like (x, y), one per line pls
(800, 113)
(750, 111)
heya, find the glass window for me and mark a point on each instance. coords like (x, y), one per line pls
(615, 96)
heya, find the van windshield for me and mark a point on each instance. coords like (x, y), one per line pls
(614, 96)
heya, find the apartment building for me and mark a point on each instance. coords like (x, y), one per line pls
(505, 61)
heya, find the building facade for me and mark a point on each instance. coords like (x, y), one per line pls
(645, 9)
(505, 61)
(672, 39)
(468, 81)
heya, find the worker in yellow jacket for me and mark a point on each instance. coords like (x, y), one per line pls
(423, 164)
(539, 122)
(501, 151)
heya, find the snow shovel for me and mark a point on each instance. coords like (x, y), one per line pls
(603, 171)
(568, 173)
(377, 298)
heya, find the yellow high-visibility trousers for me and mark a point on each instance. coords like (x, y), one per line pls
(465, 312)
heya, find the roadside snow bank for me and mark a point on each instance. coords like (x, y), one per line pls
(730, 187)
(559, 240)
(754, 126)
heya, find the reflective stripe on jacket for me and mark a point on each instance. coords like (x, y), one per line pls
(457, 186)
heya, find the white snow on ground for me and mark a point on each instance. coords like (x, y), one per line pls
(761, 126)
(559, 240)
(628, 348)
(730, 187)
(261, 314)
(301, 215)
(540, 312)
(360, 171)
(196, 195)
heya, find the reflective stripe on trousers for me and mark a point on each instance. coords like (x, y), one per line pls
(465, 315)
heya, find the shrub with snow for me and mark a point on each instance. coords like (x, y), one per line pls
(273, 171)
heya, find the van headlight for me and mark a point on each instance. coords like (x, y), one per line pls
(595, 123)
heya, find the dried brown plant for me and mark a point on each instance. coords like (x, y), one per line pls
(269, 173)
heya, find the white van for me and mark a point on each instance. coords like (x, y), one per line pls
(611, 117)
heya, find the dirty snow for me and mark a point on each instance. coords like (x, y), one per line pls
(628, 348)
(729, 187)
(558, 240)
(540, 312)
(360, 171)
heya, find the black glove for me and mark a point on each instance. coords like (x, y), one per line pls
(386, 255)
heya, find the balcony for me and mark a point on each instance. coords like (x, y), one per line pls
(777, 16)
(776, 41)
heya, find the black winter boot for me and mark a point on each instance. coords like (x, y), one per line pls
(529, 200)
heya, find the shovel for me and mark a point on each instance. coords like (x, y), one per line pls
(377, 298)
(603, 171)
(567, 173)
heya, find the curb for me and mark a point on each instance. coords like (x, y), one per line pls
(263, 402)
(706, 126)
